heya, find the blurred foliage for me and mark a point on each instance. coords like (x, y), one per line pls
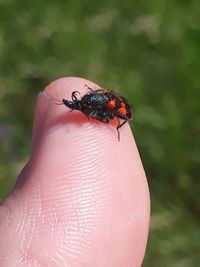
(148, 50)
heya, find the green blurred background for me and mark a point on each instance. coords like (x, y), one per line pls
(149, 51)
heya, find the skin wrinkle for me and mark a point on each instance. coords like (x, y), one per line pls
(71, 230)
(5, 215)
(53, 223)
(31, 260)
(33, 215)
(62, 259)
(53, 259)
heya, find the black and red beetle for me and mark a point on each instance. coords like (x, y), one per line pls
(101, 105)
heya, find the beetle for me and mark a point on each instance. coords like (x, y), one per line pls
(102, 105)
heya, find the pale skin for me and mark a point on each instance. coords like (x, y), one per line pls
(83, 198)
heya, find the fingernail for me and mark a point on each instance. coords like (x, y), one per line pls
(41, 113)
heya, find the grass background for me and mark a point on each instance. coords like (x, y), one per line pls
(149, 51)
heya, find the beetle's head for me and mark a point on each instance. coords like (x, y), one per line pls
(74, 104)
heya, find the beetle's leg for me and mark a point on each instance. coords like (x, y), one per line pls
(89, 88)
(100, 90)
(92, 90)
(104, 119)
(119, 126)
(74, 95)
(92, 114)
(97, 116)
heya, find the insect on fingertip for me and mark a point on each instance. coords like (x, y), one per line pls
(102, 105)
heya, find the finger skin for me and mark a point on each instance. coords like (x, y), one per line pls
(83, 199)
